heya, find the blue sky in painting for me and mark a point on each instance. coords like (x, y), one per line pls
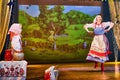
(33, 10)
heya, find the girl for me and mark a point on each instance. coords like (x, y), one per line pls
(16, 42)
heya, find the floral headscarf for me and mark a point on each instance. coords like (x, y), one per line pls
(15, 28)
(95, 19)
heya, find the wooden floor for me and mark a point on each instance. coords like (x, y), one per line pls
(73, 71)
(76, 71)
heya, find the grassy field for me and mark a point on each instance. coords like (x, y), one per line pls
(49, 56)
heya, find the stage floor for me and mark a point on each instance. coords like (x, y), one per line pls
(76, 71)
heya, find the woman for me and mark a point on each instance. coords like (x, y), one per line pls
(99, 49)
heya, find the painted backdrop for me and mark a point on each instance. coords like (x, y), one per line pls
(55, 33)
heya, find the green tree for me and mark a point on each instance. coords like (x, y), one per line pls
(43, 15)
(77, 17)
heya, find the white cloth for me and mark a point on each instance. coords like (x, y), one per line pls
(13, 68)
(53, 73)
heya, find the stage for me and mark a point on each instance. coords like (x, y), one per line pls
(76, 71)
(56, 31)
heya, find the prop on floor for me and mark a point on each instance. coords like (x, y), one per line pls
(51, 73)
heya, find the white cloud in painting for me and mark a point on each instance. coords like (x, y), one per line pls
(32, 10)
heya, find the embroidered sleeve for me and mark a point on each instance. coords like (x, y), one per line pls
(89, 25)
(106, 24)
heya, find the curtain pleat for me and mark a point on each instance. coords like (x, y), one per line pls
(115, 11)
(5, 13)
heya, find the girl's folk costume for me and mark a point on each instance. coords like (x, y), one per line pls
(99, 49)
(16, 42)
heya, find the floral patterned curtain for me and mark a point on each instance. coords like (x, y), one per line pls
(5, 13)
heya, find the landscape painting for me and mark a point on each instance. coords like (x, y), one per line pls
(55, 33)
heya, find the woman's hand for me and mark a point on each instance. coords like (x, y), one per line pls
(106, 30)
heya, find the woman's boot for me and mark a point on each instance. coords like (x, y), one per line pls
(96, 65)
